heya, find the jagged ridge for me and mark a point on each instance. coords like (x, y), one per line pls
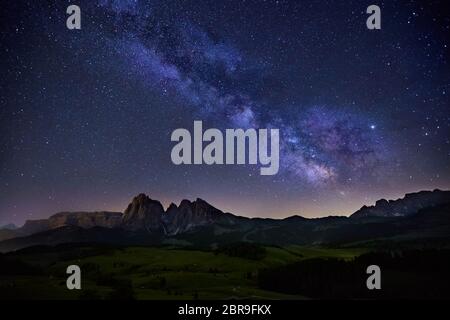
(147, 216)
(409, 205)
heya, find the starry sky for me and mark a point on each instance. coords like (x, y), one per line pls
(86, 115)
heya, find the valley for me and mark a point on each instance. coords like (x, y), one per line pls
(149, 272)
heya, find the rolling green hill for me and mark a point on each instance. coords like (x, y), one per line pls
(148, 272)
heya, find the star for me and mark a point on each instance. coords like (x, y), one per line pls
(87, 117)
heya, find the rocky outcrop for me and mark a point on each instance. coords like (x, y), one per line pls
(83, 220)
(409, 205)
(422, 216)
(86, 220)
(189, 215)
(34, 226)
(147, 216)
(143, 213)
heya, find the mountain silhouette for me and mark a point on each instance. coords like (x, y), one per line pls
(421, 215)
(409, 205)
(9, 226)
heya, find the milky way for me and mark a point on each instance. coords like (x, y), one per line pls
(87, 114)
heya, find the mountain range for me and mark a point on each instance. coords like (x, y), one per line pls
(9, 226)
(417, 216)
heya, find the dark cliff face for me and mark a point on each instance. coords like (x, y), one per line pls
(197, 222)
(190, 215)
(409, 205)
(34, 226)
(83, 220)
(143, 213)
(86, 220)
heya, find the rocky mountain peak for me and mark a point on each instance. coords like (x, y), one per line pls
(142, 203)
(189, 215)
(171, 207)
(185, 204)
(409, 205)
(143, 213)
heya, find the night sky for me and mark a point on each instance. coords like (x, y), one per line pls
(86, 115)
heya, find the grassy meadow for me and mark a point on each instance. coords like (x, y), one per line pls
(150, 272)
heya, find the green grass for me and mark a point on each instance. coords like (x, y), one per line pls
(164, 273)
(319, 252)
